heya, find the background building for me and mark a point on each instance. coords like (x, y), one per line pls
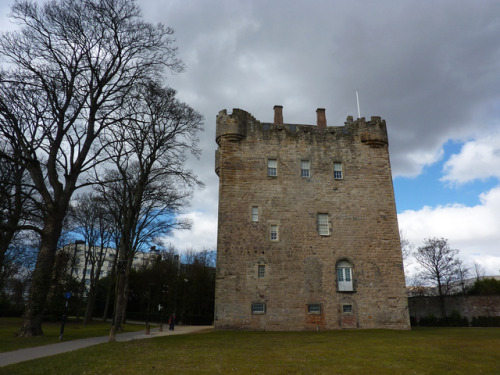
(80, 258)
(307, 232)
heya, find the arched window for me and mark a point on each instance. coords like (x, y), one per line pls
(344, 276)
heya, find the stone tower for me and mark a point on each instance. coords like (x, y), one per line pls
(307, 235)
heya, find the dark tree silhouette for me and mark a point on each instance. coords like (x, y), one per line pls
(149, 183)
(68, 72)
(440, 266)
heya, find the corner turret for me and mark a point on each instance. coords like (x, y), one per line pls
(372, 133)
(232, 127)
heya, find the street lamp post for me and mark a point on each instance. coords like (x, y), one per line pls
(148, 330)
(164, 290)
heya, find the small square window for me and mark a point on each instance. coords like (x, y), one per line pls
(347, 309)
(272, 167)
(337, 171)
(261, 271)
(258, 308)
(274, 232)
(304, 168)
(323, 227)
(255, 214)
(314, 308)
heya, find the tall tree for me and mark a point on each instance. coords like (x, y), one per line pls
(69, 69)
(440, 266)
(150, 183)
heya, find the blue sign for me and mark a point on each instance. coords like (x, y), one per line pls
(67, 295)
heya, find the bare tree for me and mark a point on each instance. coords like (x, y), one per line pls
(406, 252)
(69, 69)
(150, 183)
(93, 220)
(463, 273)
(406, 246)
(439, 266)
(478, 271)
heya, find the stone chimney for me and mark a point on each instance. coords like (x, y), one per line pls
(278, 114)
(321, 119)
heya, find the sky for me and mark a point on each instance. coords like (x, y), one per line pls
(431, 69)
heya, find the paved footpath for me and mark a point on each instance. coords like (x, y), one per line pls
(27, 354)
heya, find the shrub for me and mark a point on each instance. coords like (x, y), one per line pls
(485, 287)
(453, 320)
(485, 321)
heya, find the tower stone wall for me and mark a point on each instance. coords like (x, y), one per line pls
(305, 250)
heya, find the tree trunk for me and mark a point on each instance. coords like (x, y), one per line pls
(94, 279)
(442, 303)
(108, 293)
(125, 299)
(81, 289)
(119, 304)
(90, 306)
(112, 279)
(41, 280)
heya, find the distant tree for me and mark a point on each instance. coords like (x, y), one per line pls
(440, 266)
(485, 287)
(406, 246)
(463, 274)
(198, 279)
(92, 219)
(184, 284)
(406, 252)
(19, 263)
(478, 271)
(67, 73)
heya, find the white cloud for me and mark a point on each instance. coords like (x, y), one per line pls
(202, 235)
(472, 230)
(478, 159)
(416, 161)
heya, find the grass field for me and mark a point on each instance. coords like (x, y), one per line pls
(421, 351)
(72, 331)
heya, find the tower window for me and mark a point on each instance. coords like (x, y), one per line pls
(258, 308)
(255, 213)
(304, 168)
(261, 271)
(337, 171)
(344, 276)
(323, 227)
(314, 308)
(273, 232)
(272, 167)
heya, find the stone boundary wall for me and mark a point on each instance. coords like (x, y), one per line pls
(467, 306)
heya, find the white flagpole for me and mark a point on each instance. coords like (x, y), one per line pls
(357, 100)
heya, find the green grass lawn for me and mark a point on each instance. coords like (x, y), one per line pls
(72, 331)
(421, 351)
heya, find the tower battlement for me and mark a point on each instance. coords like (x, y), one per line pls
(235, 126)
